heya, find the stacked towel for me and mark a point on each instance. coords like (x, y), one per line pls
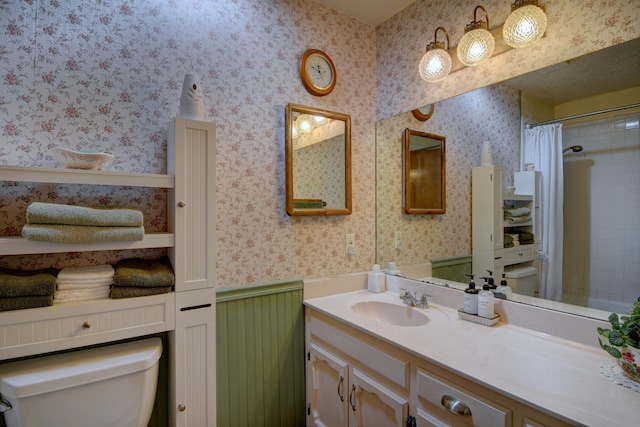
(511, 240)
(26, 289)
(136, 277)
(525, 237)
(50, 222)
(83, 283)
(517, 215)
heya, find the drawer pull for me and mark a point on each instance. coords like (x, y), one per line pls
(182, 407)
(455, 405)
(182, 203)
(86, 325)
(351, 397)
(341, 388)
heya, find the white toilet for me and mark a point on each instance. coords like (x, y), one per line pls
(114, 385)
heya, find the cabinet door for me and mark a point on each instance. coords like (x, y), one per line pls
(191, 152)
(327, 388)
(193, 361)
(374, 405)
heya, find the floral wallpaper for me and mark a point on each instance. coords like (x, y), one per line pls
(466, 121)
(106, 75)
(574, 28)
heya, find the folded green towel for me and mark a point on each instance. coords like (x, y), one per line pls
(133, 291)
(20, 283)
(20, 303)
(137, 272)
(52, 213)
(76, 234)
(518, 219)
(524, 235)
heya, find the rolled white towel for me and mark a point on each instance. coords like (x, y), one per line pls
(80, 295)
(95, 272)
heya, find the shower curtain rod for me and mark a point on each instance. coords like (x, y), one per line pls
(608, 110)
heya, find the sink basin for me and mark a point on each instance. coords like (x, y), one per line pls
(392, 314)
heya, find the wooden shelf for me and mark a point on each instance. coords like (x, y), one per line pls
(16, 245)
(81, 176)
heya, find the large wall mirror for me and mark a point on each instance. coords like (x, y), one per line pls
(604, 79)
(424, 173)
(318, 161)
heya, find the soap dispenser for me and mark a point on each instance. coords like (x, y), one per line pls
(376, 280)
(491, 282)
(471, 297)
(503, 291)
(485, 302)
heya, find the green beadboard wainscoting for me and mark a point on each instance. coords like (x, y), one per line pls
(453, 268)
(260, 355)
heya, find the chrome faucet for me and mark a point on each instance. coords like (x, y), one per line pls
(411, 300)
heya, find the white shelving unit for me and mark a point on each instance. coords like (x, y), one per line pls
(488, 225)
(188, 314)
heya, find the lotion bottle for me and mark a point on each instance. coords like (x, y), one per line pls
(471, 298)
(376, 280)
(485, 302)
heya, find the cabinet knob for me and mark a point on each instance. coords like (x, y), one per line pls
(182, 407)
(182, 203)
(86, 325)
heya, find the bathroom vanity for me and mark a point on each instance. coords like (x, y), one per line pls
(373, 361)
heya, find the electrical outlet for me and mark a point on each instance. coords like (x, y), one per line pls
(351, 243)
(397, 241)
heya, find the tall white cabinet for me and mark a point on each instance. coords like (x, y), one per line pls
(488, 202)
(188, 314)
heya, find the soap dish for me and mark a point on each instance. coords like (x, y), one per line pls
(486, 321)
(82, 159)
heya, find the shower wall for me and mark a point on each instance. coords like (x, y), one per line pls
(601, 266)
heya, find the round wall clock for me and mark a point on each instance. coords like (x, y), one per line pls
(423, 113)
(317, 72)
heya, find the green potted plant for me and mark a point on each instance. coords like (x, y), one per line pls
(624, 340)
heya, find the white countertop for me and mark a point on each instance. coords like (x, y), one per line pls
(551, 374)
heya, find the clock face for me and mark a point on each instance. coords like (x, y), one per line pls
(317, 72)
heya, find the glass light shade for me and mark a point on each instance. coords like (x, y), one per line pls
(319, 120)
(294, 131)
(475, 47)
(305, 124)
(524, 26)
(435, 65)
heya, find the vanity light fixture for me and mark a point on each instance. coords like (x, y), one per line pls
(304, 123)
(477, 44)
(295, 132)
(526, 24)
(436, 63)
(319, 120)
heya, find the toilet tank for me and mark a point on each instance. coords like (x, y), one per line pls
(114, 385)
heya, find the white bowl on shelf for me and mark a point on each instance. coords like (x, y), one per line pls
(72, 159)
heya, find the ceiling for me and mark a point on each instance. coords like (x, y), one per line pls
(372, 12)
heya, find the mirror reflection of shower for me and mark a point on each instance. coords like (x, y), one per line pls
(573, 149)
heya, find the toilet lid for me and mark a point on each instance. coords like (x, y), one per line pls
(50, 373)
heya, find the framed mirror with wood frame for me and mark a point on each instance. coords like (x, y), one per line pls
(317, 161)
(424, 173)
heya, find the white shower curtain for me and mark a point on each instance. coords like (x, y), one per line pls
(543, 148)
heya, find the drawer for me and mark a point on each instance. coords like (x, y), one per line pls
(436, 392)
(60, 327)
(516, 255)
(387, 366)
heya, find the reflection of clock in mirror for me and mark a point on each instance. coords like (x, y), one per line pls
(423, 113)
(317, 72)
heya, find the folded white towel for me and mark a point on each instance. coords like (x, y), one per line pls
(95, 272)
(80, 295)
(84, 284)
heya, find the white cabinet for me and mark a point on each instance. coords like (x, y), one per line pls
(490, 251)
(350, 383)
(188, 313)
(356, 379)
